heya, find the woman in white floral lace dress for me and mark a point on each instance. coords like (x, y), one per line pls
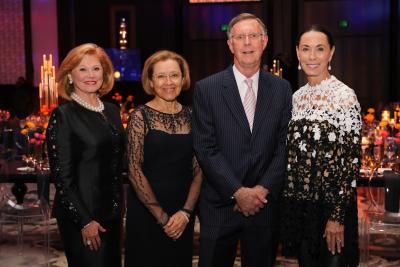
(320, 208)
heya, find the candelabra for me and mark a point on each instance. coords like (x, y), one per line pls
(48, 95)
(123, 42)
(276, 69)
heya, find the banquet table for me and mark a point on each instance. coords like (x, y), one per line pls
(11, 174)
(19, 179)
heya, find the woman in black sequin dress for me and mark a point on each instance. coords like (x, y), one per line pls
(164, 174)
(86, 141)
(320, 207)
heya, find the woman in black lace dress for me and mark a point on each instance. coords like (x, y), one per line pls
(86, 141)
(320, 208)
(164, 174)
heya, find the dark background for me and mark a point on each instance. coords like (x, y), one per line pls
(367, 56)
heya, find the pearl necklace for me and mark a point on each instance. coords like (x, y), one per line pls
(86, 105)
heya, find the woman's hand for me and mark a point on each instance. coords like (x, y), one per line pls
(176, 225)
(334, 234)
(90, 235)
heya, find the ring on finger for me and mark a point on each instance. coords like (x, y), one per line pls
(88, 242)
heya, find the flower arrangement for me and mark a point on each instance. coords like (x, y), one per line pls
(33, 130)
(381, 137)
(370, 117)
(117, 97)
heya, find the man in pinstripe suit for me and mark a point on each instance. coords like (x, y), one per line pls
(240, 118)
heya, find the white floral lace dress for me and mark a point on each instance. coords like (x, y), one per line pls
(323, 165)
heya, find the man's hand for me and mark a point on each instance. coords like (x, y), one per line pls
(249, 201)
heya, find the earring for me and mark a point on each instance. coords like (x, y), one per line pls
(70, 79)
(299, 66)
(329, 66)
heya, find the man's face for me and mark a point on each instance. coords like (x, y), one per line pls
(247, 44)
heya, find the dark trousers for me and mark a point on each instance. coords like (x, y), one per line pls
(218, 245)
(325, 257)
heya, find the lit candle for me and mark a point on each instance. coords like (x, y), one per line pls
(56, 93)
(41, 73)
(41, 96)
(46, 79)
(50, 63)
(385, 115)
(364, 141)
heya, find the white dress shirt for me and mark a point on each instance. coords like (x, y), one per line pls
(241, 84)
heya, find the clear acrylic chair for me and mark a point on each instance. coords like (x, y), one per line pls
(32, 214)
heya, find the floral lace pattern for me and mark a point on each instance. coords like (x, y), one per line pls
(323, 158)
(323, 145)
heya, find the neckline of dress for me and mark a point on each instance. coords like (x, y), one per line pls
(176, 113)
(322, 84)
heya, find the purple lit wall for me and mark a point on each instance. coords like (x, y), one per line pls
(44, 33)
(12, 46)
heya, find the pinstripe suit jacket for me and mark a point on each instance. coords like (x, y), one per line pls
(230, 155)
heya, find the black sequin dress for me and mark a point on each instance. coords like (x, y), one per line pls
(323, 151)
(162, 166)
(86, 151)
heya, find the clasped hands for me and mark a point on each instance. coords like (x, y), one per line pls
(90, 235)
(176, 225)
(249, 201)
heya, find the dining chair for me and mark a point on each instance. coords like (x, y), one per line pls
(32, 214)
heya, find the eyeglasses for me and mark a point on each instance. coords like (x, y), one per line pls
(163, 77)
(251, 36)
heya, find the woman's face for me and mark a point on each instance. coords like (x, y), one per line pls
(87, 76)
(314, 54)
(167, 80)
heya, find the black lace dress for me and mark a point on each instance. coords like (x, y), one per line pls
(162, 167)
(323, 146)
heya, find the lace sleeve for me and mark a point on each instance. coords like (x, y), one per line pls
(59, 146)
(136, 132)
(194, 190)
(349, 155)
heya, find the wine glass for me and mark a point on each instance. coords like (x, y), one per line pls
(378, 155)
(390, 148)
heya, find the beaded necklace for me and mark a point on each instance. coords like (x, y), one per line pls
(88, 106)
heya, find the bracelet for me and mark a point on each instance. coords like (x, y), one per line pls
(188, 211)
(185, 215)
(87, 225)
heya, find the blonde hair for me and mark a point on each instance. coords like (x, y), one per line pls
(163, 55)
(73, 59)
(244, 16)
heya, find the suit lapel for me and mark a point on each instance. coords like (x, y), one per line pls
(232, 99)
(264, 98)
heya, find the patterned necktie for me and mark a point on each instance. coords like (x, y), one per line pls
(249, 102)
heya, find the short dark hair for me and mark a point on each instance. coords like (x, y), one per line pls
(317, 28)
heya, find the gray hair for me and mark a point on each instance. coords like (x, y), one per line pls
(244, 16)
